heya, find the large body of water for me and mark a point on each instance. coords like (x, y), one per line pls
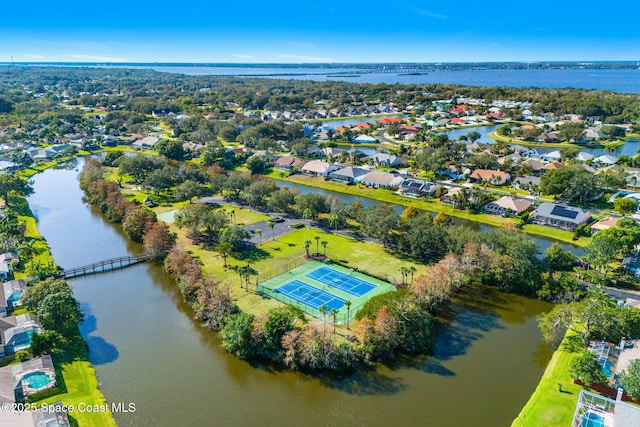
(147, 349)
(625, 81)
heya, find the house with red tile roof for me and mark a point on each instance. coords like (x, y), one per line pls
(489, 175)
(389, 120)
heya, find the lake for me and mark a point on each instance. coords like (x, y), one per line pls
(147, 349)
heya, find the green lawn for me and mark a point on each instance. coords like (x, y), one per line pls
(554, 400)
(368, 258)
(76, 377)
(78, 385)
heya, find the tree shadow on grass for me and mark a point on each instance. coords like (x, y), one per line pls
(252, 254)
(572, 344)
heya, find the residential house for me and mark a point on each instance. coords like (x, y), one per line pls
(349, 174)
(552, 166)
(288, 163)
(526, 182)
(605, 223)
(550, 137)
(633, 179)
(531, 154)
(6, 267)
(318, 168)
(606, 160)
(513, 158)
(492, 176)
(331, 152)
(10, 295)
(507, 206)
(147, 142)
(384, 160)
(551, 156)
(417, 187)
(365, 139)
(16, 387)
(16, 333)
(560, 216)
(583, 156)
(377, 179)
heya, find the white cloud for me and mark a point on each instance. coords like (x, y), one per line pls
(33, 56)
(432, 14)
(98, 58)
(242, 56)
(306, 58)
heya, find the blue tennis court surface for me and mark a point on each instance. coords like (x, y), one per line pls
(309, 295)
(344, 282)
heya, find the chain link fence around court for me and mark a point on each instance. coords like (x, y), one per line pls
(267, 275)
(340, 317)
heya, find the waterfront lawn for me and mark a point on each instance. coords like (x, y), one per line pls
(550, 405)
(431, 205)
(369, 258)
(79, 385)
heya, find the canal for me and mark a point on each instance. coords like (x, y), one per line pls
(147, 349)
(542, 242)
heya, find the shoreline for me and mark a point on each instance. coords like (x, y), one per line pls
(435, 207)
(79, 376)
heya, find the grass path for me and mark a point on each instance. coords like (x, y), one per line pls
(554, 400)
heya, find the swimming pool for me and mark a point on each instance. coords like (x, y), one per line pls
(37, 379)
(591, 419)
(607, 367)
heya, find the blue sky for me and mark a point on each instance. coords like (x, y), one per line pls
(336, 31)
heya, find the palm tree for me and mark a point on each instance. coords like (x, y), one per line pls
(272, 224)
(323, 309)
(308, 214)
(232, 213)
(317, 246)
(348, 305)
(334, 220)
(27, 250)
(334, 314)
(405, 272)
(324, 244)
(307, 244)
(412, 270)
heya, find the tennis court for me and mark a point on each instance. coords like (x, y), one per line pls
(313, 284)
(344, 282)
(309, 295)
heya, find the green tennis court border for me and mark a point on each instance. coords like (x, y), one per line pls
(299, 273)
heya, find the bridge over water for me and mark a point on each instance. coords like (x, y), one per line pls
(103, 266)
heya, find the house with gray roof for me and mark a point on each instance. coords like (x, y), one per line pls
(17, 332)
(377, 179)
(349, 174)
(387, 160)
(525, 182)
(417, 187)
(10, 295)
(560, 216)
(583, 156)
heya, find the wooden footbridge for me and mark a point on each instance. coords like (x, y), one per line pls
(102, 266)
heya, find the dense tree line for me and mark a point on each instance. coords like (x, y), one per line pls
(138, 222)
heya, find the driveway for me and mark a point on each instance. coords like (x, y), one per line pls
(280, 228)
